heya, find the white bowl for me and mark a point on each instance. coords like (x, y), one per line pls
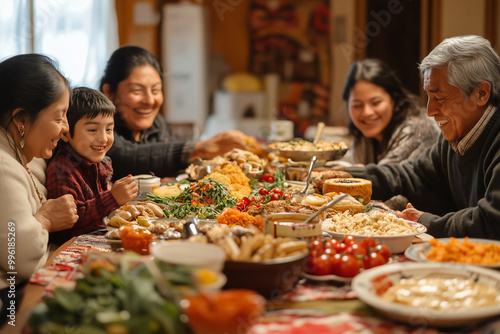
(288, 224)
(189, 254)
(395, 243)
(370, 284)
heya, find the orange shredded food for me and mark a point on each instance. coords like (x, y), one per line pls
(233, 217)
(464, 252)
(233, 177)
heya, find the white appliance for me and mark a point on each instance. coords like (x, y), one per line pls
(244, 111)
(184, 60)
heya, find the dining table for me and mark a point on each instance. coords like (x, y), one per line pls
(311, 307)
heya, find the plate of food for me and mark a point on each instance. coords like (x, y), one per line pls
(140, 213)
(480, 252)
(431, 294)
(303, 150)
(386, 228)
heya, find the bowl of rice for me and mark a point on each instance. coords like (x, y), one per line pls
(386, 228)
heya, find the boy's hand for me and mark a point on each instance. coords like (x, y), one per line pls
(124, 190)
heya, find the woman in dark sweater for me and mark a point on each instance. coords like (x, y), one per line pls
(385, 119)
(144, 142)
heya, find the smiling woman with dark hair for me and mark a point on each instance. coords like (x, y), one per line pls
(35, 98)
(385, 119)
(144, 142)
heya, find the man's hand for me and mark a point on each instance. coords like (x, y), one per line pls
(410, 213)
(219, 144)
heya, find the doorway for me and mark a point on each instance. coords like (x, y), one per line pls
(392, 33)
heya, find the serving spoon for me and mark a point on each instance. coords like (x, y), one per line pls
(319, 132)
(328, 205)
(299, 196)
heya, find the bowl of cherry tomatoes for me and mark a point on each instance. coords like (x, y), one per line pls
(331, 259)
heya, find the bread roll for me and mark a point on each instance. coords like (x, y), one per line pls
(360, 189)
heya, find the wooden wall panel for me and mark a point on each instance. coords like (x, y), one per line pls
(133, 33)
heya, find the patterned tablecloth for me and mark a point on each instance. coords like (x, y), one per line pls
(312, 307)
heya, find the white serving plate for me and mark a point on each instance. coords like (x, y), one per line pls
(327, 278)
(370, 284)
(395, 243)
(418, 252)
(154, 220)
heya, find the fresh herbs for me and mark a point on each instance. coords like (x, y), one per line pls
(203, 199)
(106, 300)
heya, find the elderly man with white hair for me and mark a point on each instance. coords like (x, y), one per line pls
(455, 184)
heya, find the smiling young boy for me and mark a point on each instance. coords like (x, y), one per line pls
(81, 168)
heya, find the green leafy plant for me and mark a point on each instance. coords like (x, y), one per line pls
(109, 301)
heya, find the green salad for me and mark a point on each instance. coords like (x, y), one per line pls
(202, 199)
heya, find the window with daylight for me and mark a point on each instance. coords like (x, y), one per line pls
(80, 35)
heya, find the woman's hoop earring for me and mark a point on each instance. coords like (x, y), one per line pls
(21, 132)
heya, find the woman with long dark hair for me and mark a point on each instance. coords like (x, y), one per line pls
(385, 119)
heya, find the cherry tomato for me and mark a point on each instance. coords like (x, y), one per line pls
(368, 243)
(349, 240)
(356, 250)
(245, 201)
(348, 266)
(329, 252)
(241, 206)
(384, 251)
(373, 260)
(263, 192)
(322, 265)
(254, 199)
(335, 262)
(275, 197)
(277, 191)
(267, 177)
(317, 246)
(330, 243)
(340, 247)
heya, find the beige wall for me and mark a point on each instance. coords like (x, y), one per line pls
(497, 44)
(462, 17)
(343, 52)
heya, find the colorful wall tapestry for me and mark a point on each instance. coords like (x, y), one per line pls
(291, 38)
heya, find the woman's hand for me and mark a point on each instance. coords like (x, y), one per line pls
(58, 214)
(219, 144)
(410, 213)
(124, 190)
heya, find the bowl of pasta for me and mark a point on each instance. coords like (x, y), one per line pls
(386, 228)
